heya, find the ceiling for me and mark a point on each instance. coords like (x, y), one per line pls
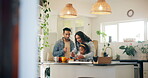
(82, 6)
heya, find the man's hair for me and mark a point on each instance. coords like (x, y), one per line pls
(66, 29)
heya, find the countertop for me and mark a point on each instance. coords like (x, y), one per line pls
(89, 64)
(133, 60)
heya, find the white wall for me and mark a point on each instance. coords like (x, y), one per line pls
(53, 20)
(87, 26)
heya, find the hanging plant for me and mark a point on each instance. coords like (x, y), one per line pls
(43, 17)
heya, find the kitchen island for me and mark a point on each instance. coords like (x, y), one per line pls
(140, 62)
(88, 70)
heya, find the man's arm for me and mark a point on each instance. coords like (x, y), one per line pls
(57, 51)
(72, 46)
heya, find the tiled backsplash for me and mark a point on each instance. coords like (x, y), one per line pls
(115, 49)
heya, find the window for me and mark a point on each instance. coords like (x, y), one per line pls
(126, 31)
(131, 30)
(111, 31)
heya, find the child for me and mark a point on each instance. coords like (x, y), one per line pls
(83, 49)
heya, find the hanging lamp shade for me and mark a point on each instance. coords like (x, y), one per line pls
(68, 12)
(101, 7)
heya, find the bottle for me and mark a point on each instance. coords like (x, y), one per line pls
(110, 39)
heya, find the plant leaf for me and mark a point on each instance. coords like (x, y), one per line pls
(122, 47)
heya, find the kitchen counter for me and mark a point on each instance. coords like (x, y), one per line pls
(85, 63)
(89, 70)
(134, 60)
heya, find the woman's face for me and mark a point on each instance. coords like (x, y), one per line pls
(78, 38)
(82, 50)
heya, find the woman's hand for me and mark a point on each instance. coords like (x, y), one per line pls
(72, 54)
(80, 57)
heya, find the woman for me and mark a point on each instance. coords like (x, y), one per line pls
(80, 37)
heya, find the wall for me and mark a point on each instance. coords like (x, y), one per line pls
(87, 26)
(53, 19)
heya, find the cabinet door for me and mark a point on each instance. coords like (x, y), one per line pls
(145, 74)
(145, 66)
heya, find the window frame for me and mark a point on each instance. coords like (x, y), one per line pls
(102, 27)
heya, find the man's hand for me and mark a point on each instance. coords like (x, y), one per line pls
(65, 49)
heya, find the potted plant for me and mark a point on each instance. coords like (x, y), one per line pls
(106, 45)
(117, 57)
(103, 35)
(129, 50)
(144, 49)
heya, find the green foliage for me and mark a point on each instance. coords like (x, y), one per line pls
(102, 34)
(44, 16)
(129, 50)
(103, 38)
(143, 48)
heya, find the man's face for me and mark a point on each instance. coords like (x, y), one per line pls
(66, 34)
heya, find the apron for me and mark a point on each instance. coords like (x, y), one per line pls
(67, 45)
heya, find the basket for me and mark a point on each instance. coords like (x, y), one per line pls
(104, 60)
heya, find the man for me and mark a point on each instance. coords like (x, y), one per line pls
(64, 46)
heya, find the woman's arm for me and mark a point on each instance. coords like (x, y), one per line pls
(92, 50)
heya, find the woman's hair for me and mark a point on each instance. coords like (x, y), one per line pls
(83, 37)
(85, 46)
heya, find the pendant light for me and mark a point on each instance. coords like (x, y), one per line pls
(68, 12)
(101, 7)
